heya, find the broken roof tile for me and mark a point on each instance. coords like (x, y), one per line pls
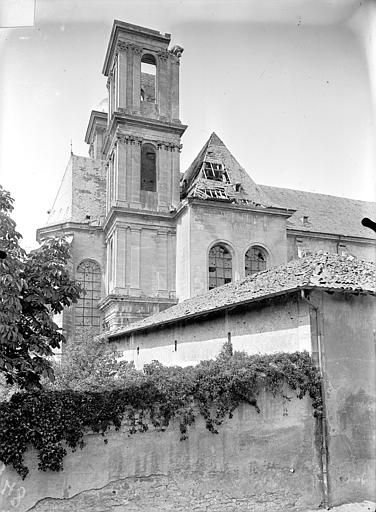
(203, 178)
(321, 270)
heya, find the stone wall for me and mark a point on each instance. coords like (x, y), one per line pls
(361, 248)
(239, 229)
(260, 462)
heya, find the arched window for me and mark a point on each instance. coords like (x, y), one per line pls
(148, 168)
(88, 274)
(220, 266)
(148, 78)
(255, 260)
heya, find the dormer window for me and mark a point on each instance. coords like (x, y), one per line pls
(215, 172)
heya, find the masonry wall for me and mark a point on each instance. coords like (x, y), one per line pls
(348, 340)
(239, 229)
(279, 326)
(89, 190)
(260, 462)
(183, 255)
(361, 250)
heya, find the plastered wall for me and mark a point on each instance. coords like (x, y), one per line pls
(281, 326)
(260, 462)
(348, 324)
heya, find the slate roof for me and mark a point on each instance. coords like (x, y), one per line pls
(196, 185)
(321, 270)
(326, 214)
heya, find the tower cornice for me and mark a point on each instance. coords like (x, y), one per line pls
(128, 33)
(97, 119)
(121, 119)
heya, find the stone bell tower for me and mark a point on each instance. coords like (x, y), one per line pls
(142, 150)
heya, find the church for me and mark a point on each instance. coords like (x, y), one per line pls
(144, 235)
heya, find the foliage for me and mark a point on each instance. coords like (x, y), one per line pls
(92, 365)
(6, 390)
(47, 419)
(33, 287)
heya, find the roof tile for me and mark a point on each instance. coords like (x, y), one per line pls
(326, 214)
(320, 270)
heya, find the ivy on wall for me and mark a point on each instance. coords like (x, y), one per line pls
(52, 421)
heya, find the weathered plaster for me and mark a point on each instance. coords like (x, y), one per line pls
(259, 462)
(348, 353)
(281, 326)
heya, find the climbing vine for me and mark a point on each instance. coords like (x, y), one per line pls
(52, 421)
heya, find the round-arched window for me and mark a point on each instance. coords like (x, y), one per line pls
(220, 266)
(89, 275)
(255, 260)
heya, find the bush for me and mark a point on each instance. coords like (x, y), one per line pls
(47, 419)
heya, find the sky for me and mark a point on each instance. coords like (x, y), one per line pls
(288, 86)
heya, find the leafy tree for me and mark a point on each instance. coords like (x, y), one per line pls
(92, 365)
(33, 287)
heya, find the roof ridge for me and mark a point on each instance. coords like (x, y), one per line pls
(316, 193)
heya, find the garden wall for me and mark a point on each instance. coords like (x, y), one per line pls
(260, 462)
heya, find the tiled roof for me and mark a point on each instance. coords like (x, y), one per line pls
(321, 270)
(323, 213)
(326, 214)
(238, 188)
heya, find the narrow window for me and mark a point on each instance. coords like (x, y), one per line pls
(88, 274)
(176, 345)
(255, 260)
(138, 350)
(148, 78)
(148, 168)
(220, 266)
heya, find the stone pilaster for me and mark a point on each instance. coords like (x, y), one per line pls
(171, 263)
(135, 260)
(175, 175)
(111, 181)
(107, 187)
(120, 239)
(136, 170)
(128, 257)
(121, 169)
(162, 81)
(174, 74)
(108, 265)
(137, 53)
(163, 170)
(129, 81)
(162, 263)
(122, 79)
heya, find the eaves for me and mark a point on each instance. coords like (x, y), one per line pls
(206, 312)
(118, 212)
(267, 210)
(330, 236)
(65, 228)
